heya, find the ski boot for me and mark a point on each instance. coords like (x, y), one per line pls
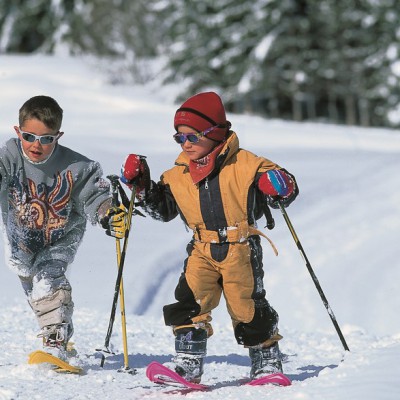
(191, 348)
(55, 339)
(265, 361)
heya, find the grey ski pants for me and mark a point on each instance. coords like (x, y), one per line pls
(49, 294)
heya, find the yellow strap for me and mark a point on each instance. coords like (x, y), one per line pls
(269, 240)
(199, 322)
(206, 326)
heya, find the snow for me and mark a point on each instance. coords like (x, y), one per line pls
(346, 217)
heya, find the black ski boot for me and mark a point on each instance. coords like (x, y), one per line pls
(265, 361)
(191, 348)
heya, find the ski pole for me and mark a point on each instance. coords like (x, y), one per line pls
(116, 186)
(313, 276)
(123, 315)
(106, 349)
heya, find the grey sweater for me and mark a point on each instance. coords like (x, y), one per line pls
(45, 206)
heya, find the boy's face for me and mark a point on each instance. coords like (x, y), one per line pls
(198, 150)
(36, 151)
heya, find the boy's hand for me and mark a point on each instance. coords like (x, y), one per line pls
(277, 185)
(114, 222)
(136, 171)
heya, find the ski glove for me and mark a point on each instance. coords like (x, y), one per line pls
(135, 171)
(114, 222)
(278, 185)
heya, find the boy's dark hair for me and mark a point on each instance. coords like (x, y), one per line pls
(44, 109)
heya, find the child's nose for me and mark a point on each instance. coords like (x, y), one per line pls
(37, 143)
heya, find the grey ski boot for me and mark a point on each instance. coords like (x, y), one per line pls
(55, 339)
(191, 348)
(265, 361)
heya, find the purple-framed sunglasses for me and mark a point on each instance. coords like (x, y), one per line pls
(192, 137)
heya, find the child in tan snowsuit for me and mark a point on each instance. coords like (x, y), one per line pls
(220, 191)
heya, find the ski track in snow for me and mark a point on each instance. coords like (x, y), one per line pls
(153, 291)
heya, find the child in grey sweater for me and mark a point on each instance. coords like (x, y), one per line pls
(47, 193)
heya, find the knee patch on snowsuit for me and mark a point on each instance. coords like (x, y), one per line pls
(54, 309)
(182, 312)
(260, 329)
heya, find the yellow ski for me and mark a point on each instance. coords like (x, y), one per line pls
(38, 357)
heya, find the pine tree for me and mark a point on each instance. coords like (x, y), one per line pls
(360, 34)
(27, 25)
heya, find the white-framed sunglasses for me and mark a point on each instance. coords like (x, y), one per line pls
(43, 139)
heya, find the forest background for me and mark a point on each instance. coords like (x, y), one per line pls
(303, 60)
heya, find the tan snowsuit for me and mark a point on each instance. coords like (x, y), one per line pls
(225, 254)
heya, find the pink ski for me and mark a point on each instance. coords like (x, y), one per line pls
(274, 379)
(161, 374)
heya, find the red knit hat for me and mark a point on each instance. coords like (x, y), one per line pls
(202, 111)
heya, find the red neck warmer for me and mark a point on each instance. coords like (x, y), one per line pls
(201, 168)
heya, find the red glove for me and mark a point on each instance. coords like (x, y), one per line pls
(276, 182)
(135, 171)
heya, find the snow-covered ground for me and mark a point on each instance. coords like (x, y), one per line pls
(347, 218)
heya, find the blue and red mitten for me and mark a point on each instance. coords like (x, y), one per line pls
(276, 184)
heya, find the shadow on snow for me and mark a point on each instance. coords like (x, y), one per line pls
(116, 361)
